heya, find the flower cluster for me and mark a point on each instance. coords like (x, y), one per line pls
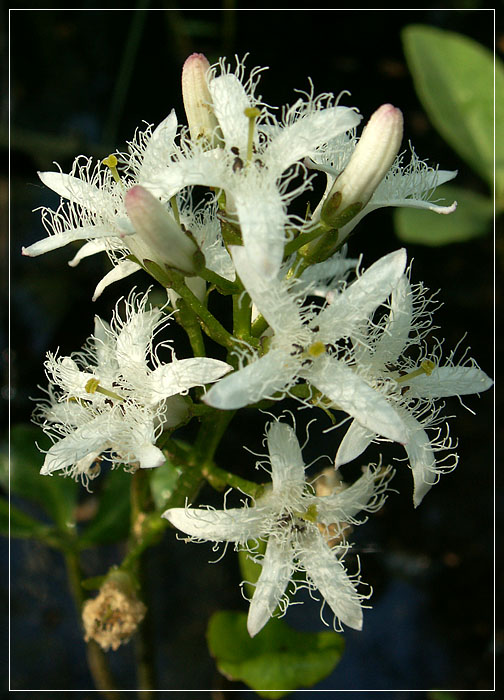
(309, 323)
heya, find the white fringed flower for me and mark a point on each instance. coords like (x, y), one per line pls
(93, 208)
(296, 524)
(252, 164)
(116, 396)
(411, 386)
(303, 345)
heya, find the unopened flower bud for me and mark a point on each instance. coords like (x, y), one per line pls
(113, 616)
(159, 231)
(197, 99)
(373, 156)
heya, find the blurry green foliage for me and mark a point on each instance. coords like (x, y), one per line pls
(454, 79)
(277, 660)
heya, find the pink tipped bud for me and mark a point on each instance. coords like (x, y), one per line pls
(370, 162)
(154, 224)
(197, 99)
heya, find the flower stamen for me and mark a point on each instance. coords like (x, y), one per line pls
(111, 162)
(93, 385)
(426, 367)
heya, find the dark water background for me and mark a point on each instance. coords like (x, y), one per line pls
(432, 621)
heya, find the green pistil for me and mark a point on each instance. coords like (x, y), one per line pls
(251, 113)
(426, 367)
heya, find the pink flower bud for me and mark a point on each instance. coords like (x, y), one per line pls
(370, 162)
(197, 99)
(159, 231)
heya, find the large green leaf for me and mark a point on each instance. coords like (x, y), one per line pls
(277, 660)
(473, 217)
(454, 78)
(56, 494)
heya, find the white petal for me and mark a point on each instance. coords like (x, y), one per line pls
(134, 338)
(149, 456)
(271, 296)
(76, 190)
(90, 248)
(329, 576)
(449, 381)
(231, 525)
(300, 139)
(91, 437)
(397, 328)
(356, 439)
(346, 504)
(229, 103)
(207, 168)
(159, 147)
(275, 575)
(354, 396)
(422, 461)
(58, 240)
(119, 272)
(181, 375)
(258, 380)
(360, 299)
(287, 465)
(262, 218)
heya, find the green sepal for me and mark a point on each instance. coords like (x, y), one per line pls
(277, 660)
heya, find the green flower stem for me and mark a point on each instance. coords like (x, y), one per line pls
(220, 478)
(223, 285)
(211, 431)
(242, 310)
(141, 504)
(301, 240)
(189, 321)
(259, 326)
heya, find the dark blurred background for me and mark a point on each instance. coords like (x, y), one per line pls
(82, 81)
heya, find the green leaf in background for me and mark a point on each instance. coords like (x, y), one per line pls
(454, 79)
(276, 661)
(21, 524)
(473, 217)
(112, 520)
(56, 494)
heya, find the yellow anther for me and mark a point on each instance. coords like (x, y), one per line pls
(316, 349)
(111, 162)
(251, 113)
